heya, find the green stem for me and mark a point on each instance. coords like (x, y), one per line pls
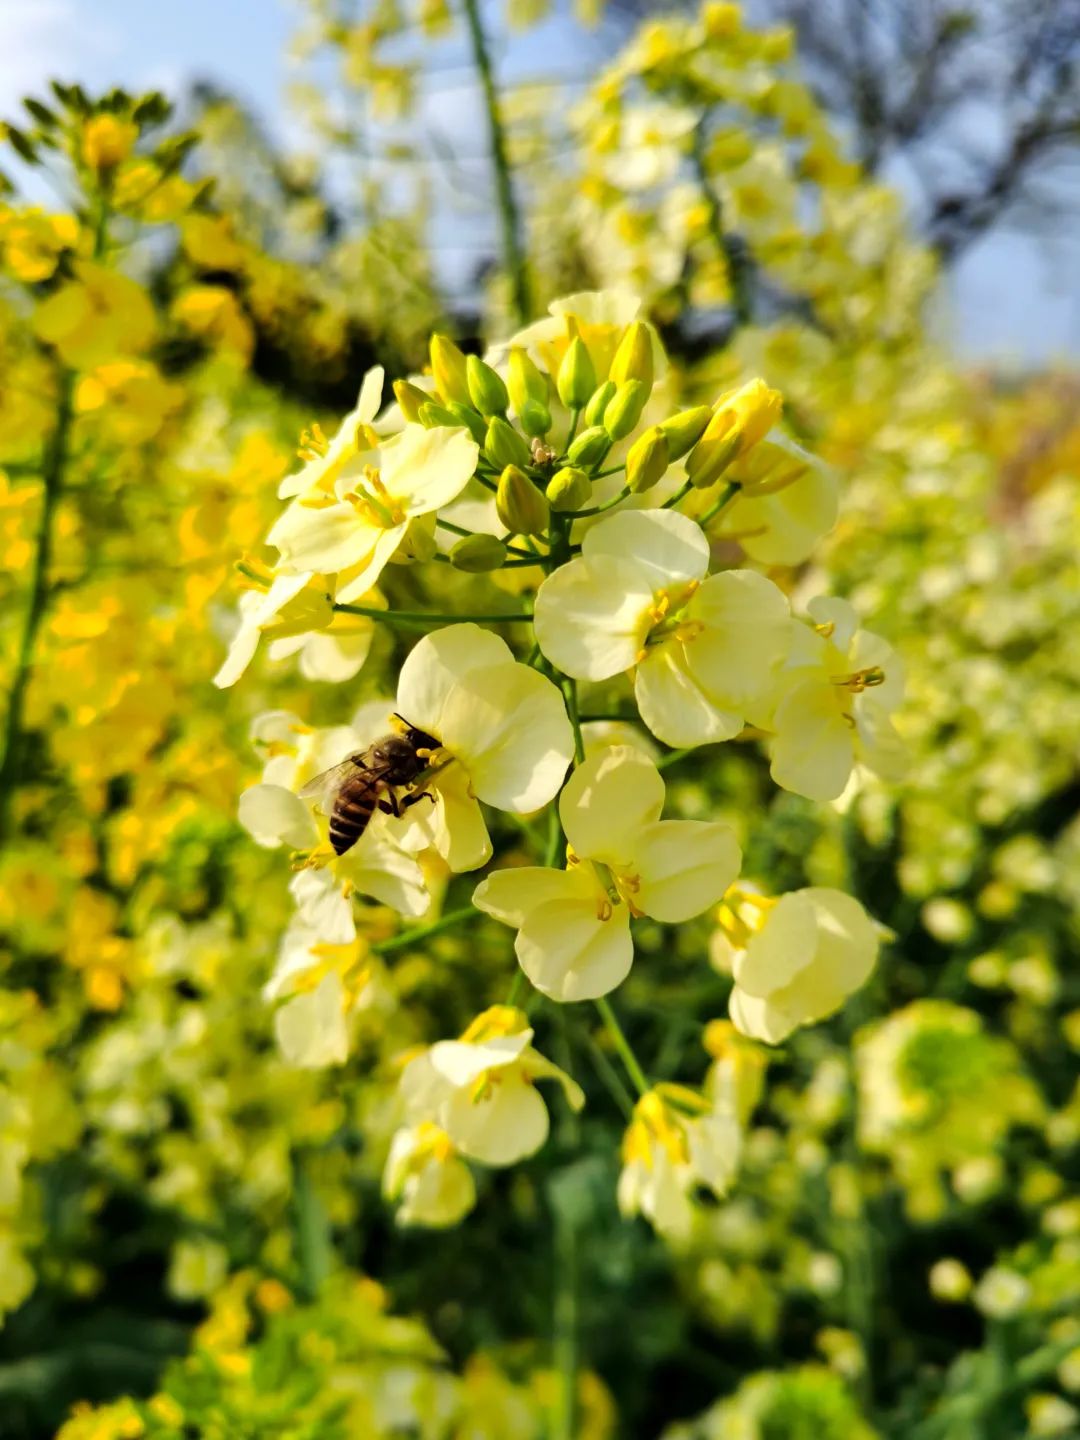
(515, 988)
(622, 1045)
(564, 1336)
(569, 689)
(730, 490)
(607, 505)
(509, 214)
(37, 603)
(419, 933)
(679, 495)
(732, 254)
(671, 758)
(431, 617)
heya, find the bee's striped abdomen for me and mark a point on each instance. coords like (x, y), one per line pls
(353, 808)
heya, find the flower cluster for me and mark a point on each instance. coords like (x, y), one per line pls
(555, 466)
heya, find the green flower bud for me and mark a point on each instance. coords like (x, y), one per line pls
(432, 415)
(590, 447)
(448, 368)
(524, 381)
(467, 416)
(634, 357)
(410, 398)
(478, 553)
(577, 375)
(486, 388)
(535, 418)
(647, 460)
(569, 489)
(594, 410)
(503, 445)
(684, 430)
(624, 411)
(519, 504)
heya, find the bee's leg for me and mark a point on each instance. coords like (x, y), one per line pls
(413, 799)
(391, 806)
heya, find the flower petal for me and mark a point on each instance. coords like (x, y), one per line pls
(453, 824)
(322, 538)
(424, 469)
(813, 748)
(685, 866)
(311, 1028)
(372, 564)
(506, 1123)
(323, 906)
(507, 725)
(591, 616)
(461, 1063)
(509, 895)
(674, 706)
(784, 946)
(610, 798)
(378, 866)
(746, 636)
(274, 816)
(666, 548)
(569, 953)
(436, 663)
(759, 1019)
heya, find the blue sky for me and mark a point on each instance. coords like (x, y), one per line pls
(1014, 298)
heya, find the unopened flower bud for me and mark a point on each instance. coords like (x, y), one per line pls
(647, 460)
(106, 140)
(432, 414)
(601, 398)
(577, 375)
(503, 445)
(410, 398)
(467, 416)
(524, 381)
(449, 370)
(535, 417)
(684, 430)
(634, 357)
(519, 504)
(590, 447)
(478, 553)
(740, 419)
(624, 411)
(486, 388)
(569, 489)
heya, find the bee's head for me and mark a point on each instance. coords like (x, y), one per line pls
(414, 738)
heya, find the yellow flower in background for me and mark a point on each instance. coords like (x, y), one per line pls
(216, 315)
(481, 1089)
(134, 399)
(431, 1185)
(809, 950)
(106, 140)
(96, 316)
(31, 242)
(677, 1140)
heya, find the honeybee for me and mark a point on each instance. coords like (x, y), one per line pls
(351, 792)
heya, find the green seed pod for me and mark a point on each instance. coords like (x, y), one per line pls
(569, 489)
(577, 375)
(590, 447)
(601, 397)
(410, 398)
(503, 445)
(684, 430)
(634, 357)
(432, 415)
(519, 504)
(467, 416)
(524, 381)
(448, 368)
(478, 553)
(486, 388)
(624, 411)
(647, 460)
(535, 418)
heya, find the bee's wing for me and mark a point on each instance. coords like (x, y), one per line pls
(323, 786)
